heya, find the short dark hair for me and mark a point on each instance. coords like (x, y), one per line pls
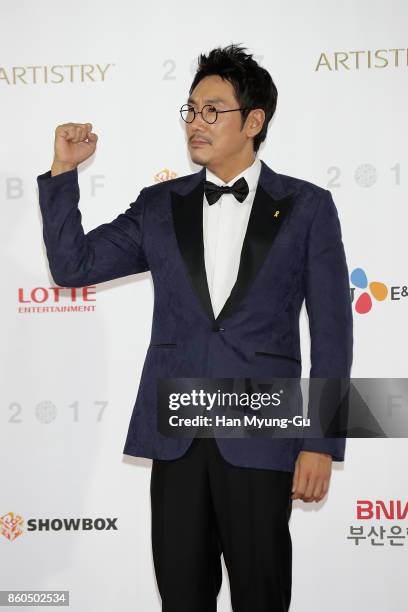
(253, 85)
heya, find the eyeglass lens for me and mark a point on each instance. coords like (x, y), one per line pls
(208, 113)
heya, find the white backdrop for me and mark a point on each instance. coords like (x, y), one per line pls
(69, 376)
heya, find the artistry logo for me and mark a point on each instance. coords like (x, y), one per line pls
(363, 59)
(51, 75)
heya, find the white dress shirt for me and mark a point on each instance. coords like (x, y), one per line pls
(224, 227)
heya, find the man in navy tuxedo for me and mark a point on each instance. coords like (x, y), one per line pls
(234, 250)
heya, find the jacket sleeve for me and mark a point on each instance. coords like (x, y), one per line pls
(329, 309)
(76, 259)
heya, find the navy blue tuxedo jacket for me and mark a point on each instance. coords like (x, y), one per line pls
(287, 258)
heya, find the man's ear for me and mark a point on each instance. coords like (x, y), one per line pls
(254, 122)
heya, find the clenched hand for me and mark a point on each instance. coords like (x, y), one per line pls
(312, 476)
(73, 144)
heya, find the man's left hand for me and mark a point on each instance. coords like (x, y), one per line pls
(311, 477)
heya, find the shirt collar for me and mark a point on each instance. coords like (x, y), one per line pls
(251, 174)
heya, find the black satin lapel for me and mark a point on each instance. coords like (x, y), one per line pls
(265, 220)
(187, 213)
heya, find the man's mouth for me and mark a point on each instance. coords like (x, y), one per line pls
(199, 141)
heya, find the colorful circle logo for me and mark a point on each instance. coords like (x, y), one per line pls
(375, 289)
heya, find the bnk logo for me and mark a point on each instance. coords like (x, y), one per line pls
(393, 509)
(11, 524)
(374, 289)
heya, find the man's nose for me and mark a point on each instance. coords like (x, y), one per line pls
(197, 129)
(199, 121)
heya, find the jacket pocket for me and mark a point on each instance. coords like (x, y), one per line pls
(280, 355)
(163, 344)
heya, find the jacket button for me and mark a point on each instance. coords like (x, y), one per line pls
(217, 328)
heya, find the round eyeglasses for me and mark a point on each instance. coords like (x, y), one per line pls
(209, 113)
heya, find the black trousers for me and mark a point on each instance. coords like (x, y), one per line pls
(202, 507)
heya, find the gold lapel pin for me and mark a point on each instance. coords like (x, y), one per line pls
(276, 213)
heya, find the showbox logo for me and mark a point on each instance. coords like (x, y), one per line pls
(11, 524)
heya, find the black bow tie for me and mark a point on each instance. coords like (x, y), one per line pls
(213, 192)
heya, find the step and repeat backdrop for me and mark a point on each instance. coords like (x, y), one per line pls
(75, 511)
